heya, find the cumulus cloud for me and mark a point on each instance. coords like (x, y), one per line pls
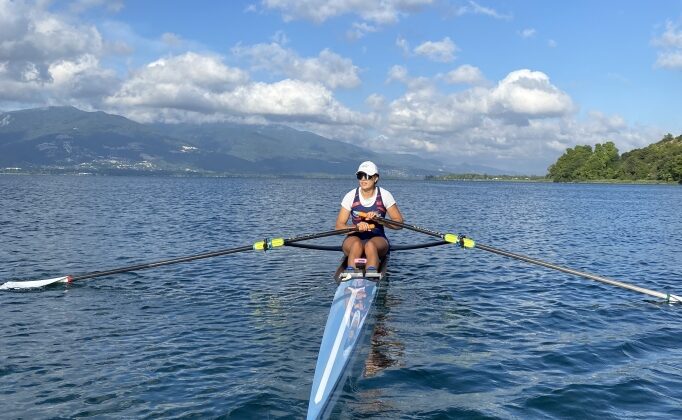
(82, 78)
(465, 74)
(48, 59)
(397, 74)
(520, 96)
(33, 36)
(327, 68)
(442, 51)
(376, 101)
(501, 122)
(204, 84)
(378, 12)
(670, 47)
(184, 81)
(523, 119)
(526, 92)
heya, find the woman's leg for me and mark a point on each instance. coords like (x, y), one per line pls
(375, 249)
(352, 247)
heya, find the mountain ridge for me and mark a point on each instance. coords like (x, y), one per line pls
(69, 139)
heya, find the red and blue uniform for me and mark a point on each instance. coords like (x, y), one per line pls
(377, 206)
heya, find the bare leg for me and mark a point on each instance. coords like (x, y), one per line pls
(352, 247)
(375, 249)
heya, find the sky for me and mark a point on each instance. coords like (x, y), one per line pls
(507, 84)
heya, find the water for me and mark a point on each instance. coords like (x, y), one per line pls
(459, 334)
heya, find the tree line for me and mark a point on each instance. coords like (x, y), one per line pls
(660, 161)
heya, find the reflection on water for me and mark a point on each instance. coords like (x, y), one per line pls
(385, 350)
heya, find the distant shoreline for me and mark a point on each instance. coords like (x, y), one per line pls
(532, 180)
(481, 178)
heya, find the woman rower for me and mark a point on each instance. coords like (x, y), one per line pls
(374, 201)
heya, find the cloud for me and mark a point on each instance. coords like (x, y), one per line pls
(442, 51)
(465, 74)
(402, 43)
(527, 33)
(35, 36)
(669, 43)
(520, 96)
(171, 39)
(398, 74)
(191, 84)
(474, 8)
(523, 121)
(47, 58)
(82, 78)
(375, 101)
(327, 68)
(80, 6)
(359, 30)
(526, 92)
(672, 37)
(186, 81)
(378, 12)
(522, 117)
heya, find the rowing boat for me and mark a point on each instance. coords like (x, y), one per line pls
(348, 315)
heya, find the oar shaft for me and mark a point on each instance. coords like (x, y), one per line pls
(667, 296)
(261, 245)
(211, 254)
(411, 227)
(606, 280)
(161, 263)
(319, 235)
(447, 237)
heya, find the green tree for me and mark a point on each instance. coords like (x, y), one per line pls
(676, 169)
(602, 163)
(568, 167)
(658, 161)
(661, 161)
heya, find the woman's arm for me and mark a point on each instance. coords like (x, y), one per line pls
(342, 218)
(394, 214)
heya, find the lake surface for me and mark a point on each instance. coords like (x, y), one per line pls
(459, 334)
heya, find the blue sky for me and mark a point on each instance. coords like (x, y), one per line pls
(498, 83)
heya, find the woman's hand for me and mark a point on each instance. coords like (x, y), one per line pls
(370, 215)
(364, 227)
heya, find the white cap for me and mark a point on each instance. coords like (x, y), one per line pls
(368, 167)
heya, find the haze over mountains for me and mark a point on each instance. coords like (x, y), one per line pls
(66, 139)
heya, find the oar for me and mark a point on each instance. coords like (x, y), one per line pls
(263, 245)
(469, 243)
(447, 237)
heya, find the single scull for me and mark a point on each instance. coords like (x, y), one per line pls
(348, 315)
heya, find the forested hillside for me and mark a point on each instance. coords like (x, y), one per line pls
(660, 161)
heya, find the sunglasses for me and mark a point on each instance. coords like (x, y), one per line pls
(362, 175)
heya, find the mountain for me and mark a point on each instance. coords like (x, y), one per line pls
(68, 139)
